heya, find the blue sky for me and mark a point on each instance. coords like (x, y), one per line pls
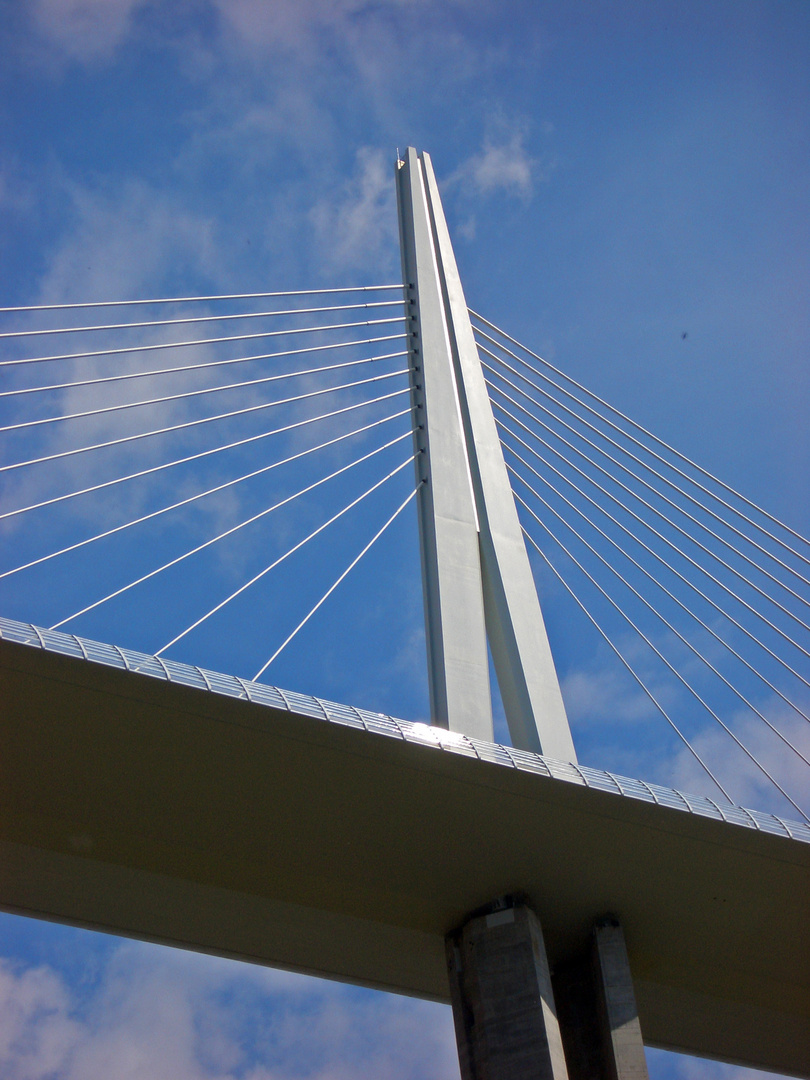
(614, 174)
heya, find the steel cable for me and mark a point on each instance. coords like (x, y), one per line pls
(209, 364)
(193, 423)
(286, 555)
(201, 454)
(215, 539)
(659, 493)
(200, 341)
(197, 299)
(645, 547)
(660, 442)
(659, 654)
(195, 319)
(674, 525)
(201, 495)
(655, 532)
(651, 607)
(629, 667)
(332, 587)
(25, 424)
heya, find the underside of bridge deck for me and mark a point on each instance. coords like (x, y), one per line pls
(140, 806)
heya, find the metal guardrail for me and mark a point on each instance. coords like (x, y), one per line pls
(379, 724)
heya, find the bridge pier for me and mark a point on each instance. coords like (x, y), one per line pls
(515, 1021)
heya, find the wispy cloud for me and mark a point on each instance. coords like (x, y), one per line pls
(157, 1014)
(287, 22)
(37, 1031)
(503, 164)
(594, 695)
(744, 779)
(86, 30)
(127, 241)
(90, 31)
(127, 244)
(357, 230)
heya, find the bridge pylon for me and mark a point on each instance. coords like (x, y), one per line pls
(478, 584)
(478, 587)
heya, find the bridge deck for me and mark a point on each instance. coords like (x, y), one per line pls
(155, 800)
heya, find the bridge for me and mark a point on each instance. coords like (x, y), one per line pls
(182, 805)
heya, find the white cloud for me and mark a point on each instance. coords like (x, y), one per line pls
(157, 1014)
(127, 243)
(160, 1014)
(357, 231)
(37, 1033)
(506, 166)
(746, 783)
(93, 30)
(130, 244)
(258, 24)
(86, 29)
(594, 696)
(502, 164)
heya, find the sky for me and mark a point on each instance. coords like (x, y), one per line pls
(626, 185)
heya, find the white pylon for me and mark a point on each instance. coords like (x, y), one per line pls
(477, 580)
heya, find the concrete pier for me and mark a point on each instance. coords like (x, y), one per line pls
(622, 1046)
(596, 1009)
(503, 1004)
(514, 1021)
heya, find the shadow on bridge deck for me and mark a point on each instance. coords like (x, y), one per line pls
(286, 831)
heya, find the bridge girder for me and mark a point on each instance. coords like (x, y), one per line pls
(156, 810)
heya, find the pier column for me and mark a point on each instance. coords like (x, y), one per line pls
(622, 1047)
(503, 1005)
(513, 1022)
(596, 1007)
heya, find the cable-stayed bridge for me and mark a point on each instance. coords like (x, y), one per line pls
(221, 473)
(615, 512)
